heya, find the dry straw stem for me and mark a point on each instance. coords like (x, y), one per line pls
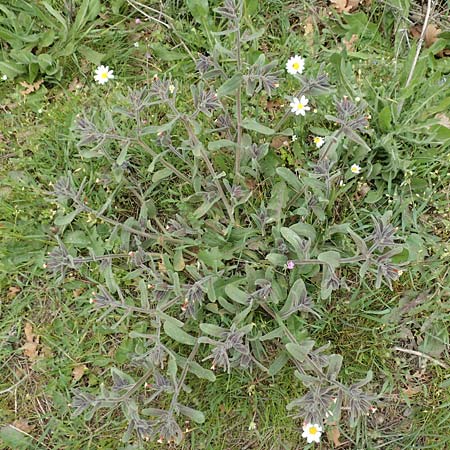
(423, 355)
(418, 50)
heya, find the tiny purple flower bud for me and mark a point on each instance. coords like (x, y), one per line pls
(137, 21)
(290, 264)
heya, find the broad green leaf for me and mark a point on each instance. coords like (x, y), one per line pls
(161, 174)
(172, 368)
(230, 86)
(14, 438)
(292, 237)
(11, 69)
(91, 55)
(279, 362)
(221, 143)
(178, 334)
(290, 178)
(236, 294)
(274, 334)
(300, 351)
(332, 258)
(61, 221)
(194, 414)
(334, 366)
(297, 292)
(304, 229)
(154, 129)
(384, 118)
(178, 260)
(196, 369)
(213, 330)
(277, 259)
(199, 9)
(252, 124)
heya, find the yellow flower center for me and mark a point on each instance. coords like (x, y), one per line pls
(104, 75)
(296, 66)
(316, 140)
(313, 430)
(300, 106)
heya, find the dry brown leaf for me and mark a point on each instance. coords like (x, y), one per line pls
(443, 120)
(12, 292)
(75, 85)
(78, 372)
(30, 348)
(22, 425)
(78, 292)
(431, 35)
(279, 141)
(309, 30)
(345, 5)
(410, 391)
(352, 4)
(340, 5)
(29, 88)
(334, 435)
(350, 44)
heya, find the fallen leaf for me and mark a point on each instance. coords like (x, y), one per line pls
(75, 85)
(29, 88)
(12, 292)
(410, 391)
(431, 35)
(334, 435)
(350, 44)
(352, 4)
(30, 348)
(443, 120)
(309, 31)
(77, 292)
(78, 372)
(279, 141)
(345, 5)
(340, 5)
(22, 425)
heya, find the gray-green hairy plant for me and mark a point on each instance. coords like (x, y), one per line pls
(207, 276)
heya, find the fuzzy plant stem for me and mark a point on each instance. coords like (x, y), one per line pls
(237, 161)
(418, 50)
(209, 165)
(83, 207)
(163, 161)
(180, 382)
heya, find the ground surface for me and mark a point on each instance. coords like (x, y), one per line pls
(50, 339)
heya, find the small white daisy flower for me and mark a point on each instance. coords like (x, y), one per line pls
(312, 432)
(319, 141)
(299, 106)
(103, 74)
(294, 137)
(4, 77)
(355, 169)
(136, 44)
(295, 65)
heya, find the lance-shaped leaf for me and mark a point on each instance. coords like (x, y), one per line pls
(178, 334)
(194, 414)
(299, 351)
(230, 86)
(251, 124)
